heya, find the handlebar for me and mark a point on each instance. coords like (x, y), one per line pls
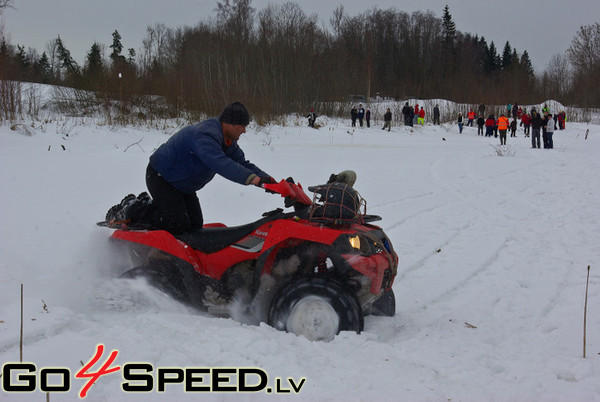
(287, 189)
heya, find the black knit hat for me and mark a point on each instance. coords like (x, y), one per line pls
(235, 113)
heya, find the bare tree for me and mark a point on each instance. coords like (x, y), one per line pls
(559, 76)
(584, 51)
(584, 54)
(5, 4)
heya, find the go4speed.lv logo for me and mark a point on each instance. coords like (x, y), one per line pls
(143, 377)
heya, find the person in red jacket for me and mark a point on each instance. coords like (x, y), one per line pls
(490, 123)
(561, 120)
(416, 115)
(421, 119)
(526, 123)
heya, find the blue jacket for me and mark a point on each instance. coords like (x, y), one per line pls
(192, 157)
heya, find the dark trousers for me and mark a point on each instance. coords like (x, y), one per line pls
(535, 138)
(502, 137)
(174, 211)
(545, 138)
(548, 143)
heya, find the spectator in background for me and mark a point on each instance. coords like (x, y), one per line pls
(480, 124)
(436, 115)
(560, 117)
(481, 109)
(502, 128)
(406, 113)
(470, 118)
(545, 129)
(312, 116)
(490, 123)
(361, 114)
(526, 123)
(513, 128)
(460, 123)
(421, 119)
(387, 120)
(354, 115)
(416, 114)
(536, 124)
(548, 143)
(368, 117)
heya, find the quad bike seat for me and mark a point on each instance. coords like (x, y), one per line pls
(213, 239)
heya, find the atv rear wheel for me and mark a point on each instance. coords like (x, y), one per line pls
(161, 277)
(316, 308)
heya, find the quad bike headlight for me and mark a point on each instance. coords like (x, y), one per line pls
(354, 242)
(359, 243)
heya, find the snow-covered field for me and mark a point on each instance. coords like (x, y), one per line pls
(490, 291)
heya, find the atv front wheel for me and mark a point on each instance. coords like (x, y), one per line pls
(316, 308)
(385, 306)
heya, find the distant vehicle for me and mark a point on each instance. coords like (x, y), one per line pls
(357, 98)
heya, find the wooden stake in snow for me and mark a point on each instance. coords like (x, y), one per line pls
(21, 337)
(585, 308)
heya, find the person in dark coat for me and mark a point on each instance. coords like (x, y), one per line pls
(513, 128)
(536, 125)
(368, 117)
(480, 124)
(387, 120)
(406, 113)
(436, 115)
(353, 115)
(361, 114)
(312, 117)
(190, 159)
(481, 109)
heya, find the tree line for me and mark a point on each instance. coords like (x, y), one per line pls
(279, 60)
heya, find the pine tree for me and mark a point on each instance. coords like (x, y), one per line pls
(94, 68)
(116, 46)
(67, 62)
(448, 29)
(492, 60)
(506, 56)
(42, 69)
(131, 58)
(22, 61)
(526, 64)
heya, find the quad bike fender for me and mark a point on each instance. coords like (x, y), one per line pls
(282, 230)
(161, 240)
(379, 268)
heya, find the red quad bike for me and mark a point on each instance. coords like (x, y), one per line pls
(314, 271)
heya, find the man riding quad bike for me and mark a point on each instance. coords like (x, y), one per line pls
(313, 271)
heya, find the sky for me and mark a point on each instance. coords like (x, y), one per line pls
(542, 27)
